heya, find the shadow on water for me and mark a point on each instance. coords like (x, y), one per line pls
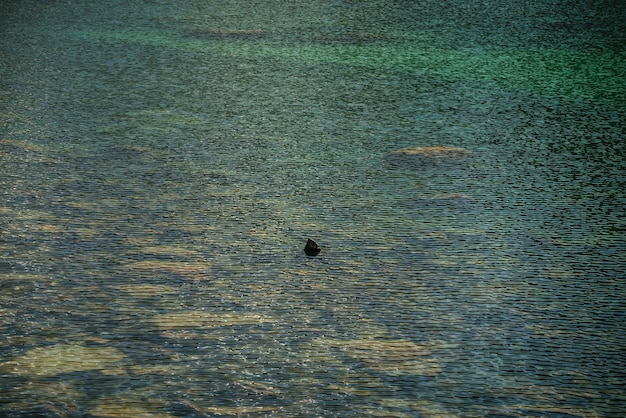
(460, 164)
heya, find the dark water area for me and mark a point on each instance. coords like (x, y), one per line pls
(460, 163)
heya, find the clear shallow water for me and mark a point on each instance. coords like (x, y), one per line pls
(163, 165)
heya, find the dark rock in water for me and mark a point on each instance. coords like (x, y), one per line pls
(312, 248)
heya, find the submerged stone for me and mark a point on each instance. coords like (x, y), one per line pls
(44, 410)
(397, 357)
(357, 38)
(58, 359)
(193, 319)
(130, 405)
(146, 289)
(312, 248)
(193, 269)
(425, 156)
(222, 34)
(450, 200)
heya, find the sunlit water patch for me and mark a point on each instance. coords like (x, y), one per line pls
(460, 165)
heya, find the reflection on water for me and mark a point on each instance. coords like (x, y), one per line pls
(164, 164)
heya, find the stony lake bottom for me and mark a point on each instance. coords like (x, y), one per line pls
(164, 163)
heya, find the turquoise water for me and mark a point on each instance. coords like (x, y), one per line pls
(163, 164)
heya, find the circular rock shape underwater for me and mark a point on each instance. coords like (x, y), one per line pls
(424, 156)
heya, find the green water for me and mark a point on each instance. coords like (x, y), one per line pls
(163, 164)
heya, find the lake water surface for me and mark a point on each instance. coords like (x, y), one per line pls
(162, 165)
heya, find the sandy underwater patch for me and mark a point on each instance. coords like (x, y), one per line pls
(61, 358)
(396, 357)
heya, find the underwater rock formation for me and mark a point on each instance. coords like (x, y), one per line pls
(394, 357)
(49, 361)
(355, 38)
(48, 409)
(448, 200)
(312, 248)
(228, 34)
(427, 155)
